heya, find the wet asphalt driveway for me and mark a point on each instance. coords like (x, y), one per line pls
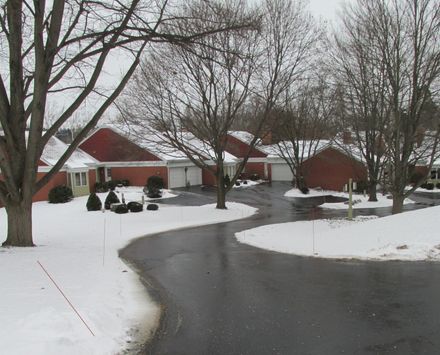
(222, 297)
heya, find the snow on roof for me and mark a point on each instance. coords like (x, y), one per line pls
(247, 138)
(156, 143)
(286, 147)
(55, 148)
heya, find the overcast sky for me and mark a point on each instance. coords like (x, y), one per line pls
(326, 8)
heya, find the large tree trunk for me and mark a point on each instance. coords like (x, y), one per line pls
(397, 203)
(372, 192)
(19, 224)
(221, 192)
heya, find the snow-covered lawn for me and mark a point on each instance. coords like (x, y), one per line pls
(406, 236)
(433, 191)
(79, 249)
(359, 200)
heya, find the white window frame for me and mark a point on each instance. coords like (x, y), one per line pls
(83, 178)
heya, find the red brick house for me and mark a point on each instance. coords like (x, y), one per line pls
(329, 168)
(79, 172)
(120, 158)
(238, 145)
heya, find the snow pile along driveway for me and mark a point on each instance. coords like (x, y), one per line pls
(359, 200)
(406, 236)
(80, 251)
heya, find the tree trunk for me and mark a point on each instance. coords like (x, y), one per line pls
(372, 192)
(221, 192)
(19, 224)
(397, 203)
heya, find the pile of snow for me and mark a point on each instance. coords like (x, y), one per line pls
(434, 190)
(248, 183)
(359, 200)
(135, 193)
(79, 249)
(313, 193)
(406, 236)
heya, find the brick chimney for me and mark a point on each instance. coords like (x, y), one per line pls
(347, 138)
(266, 138)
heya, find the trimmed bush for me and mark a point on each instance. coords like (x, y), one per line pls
(94, 203)
(60, 194)
(152, 207)
(121, 209)
(101, 187)
(111, 185)
(437, 185)
(111, 198)
(237, 183)
(429, 186)
(125, 182)
(416, 177)
(254, 177)
(305, 190)
(135, 207)
(155, 181)
(244, 182)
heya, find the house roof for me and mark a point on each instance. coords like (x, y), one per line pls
(55, 148)
(153, 141)
(247, 137)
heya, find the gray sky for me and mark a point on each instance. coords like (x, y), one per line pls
(325, 8)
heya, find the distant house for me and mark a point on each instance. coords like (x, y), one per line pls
(121, 157)
(328, 167)
(79, 171)
(238, 144)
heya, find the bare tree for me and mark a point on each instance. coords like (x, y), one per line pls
(204, 91)
(362, 80)
(303, 123)
(61, 48)
(408, 35)
(191, 101)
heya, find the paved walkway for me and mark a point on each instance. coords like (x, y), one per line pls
(223, 297)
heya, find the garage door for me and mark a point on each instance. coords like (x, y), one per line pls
(281, 172)
(179, 177)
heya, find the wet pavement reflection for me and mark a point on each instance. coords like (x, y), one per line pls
(222, 297)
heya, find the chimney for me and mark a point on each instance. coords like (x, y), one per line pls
(266, 138)
(347, 138)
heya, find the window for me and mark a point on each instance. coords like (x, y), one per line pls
(81, 179)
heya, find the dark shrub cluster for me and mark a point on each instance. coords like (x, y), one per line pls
(60, 194)
(244, 182)
(254, 177)
(135, 207)
(416, 177)
(94, 203)
(429, 186)
(437, 185)
(305, 190)
(237, 183)
(110, 185)
(121, 209)
(154, 186)
(152, 207)
(111, 198)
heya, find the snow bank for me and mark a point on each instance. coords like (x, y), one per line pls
(359, 200)
(79, 250)
(406, 236)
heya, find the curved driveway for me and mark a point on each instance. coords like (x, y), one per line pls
(223, 297)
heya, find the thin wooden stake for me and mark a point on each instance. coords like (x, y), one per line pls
(65, 297)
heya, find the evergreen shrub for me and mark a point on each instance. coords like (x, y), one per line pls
(121, 209)
(111, 198)
(94, 203)
(152, 207)
(135, 207)
(60, 194)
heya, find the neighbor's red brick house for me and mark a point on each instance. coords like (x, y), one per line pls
(238, 144)
(331, 168)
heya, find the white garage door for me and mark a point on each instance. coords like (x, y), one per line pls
(179, 178)
(281, 172)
